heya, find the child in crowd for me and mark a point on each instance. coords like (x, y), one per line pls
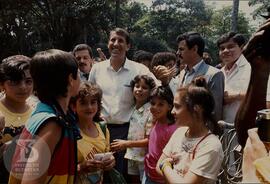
(194, 153)
(161, 106)
(87, 106)
(143, 57)
(17, 85)
(50, 134)
(140, 125)
(164, 66)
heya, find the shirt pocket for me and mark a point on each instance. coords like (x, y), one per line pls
(127, 95)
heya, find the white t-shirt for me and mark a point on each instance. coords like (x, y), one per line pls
(117, 97)
(207, 159)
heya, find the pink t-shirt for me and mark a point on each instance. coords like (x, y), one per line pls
(158, 138)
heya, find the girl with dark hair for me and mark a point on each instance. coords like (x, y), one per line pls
(87, 106)
(17, 85)
(161, 105)
(140, 125)
(194, 153)
(46, 151)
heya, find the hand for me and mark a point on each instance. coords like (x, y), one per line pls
(89, 166)
(253, 150)
(119, 145)
(108, 163)
(101, 54)
(164, 74)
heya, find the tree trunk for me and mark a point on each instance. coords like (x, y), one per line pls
(235, 10)
(117, 8)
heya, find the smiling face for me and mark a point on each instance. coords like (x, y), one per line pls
(229, 52)
(141, 91)
(19, 91)
(180, 112)
(86, 108)
(159, 108)
(118, 45)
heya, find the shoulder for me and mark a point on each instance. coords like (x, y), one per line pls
(42, 113)
(179, 132)
(100, 65)
(212, 143)
(132, 65)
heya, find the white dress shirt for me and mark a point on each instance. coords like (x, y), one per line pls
(236, 81)
(117, 99)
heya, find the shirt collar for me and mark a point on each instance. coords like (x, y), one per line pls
(195, 68)
(127, 64)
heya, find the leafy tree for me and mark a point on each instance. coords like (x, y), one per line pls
(168, 18)
(262, 9)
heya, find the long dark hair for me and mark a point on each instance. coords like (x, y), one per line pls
(164, 93)
(197, 93)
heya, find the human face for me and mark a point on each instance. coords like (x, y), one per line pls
(159, 108)
(118, 46)
(19, 91)
(84, 60)
(86, 108)
(184, 53)
(229, 52)
(180, 112)
(141, 91)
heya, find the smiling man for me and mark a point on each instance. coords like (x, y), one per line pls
(236, 71)
(114, 76)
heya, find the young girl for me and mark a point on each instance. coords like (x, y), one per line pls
(161, 106)
(16, 84)
(140, 125)
(50, 134)
(194, 153)
(87, 106)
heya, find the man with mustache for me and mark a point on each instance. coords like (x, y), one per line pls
(84, 56)
(190, 52)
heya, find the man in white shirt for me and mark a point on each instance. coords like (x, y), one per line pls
(114, 76)
(236, 71)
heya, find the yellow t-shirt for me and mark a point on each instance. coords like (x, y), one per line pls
(89, 146)
(13, 120)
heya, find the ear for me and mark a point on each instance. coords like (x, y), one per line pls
(197, 108)
(128, 47)
(70, 80)
(195, 48)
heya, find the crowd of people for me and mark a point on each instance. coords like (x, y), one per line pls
(152, 120)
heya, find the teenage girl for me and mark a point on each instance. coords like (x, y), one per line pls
(87, 106)
(47, 148)
(194, 153)
(17, 85)
(161, 105)
(139, 128)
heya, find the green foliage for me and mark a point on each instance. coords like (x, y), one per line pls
(262, 9)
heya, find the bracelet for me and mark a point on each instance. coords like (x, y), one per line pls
(164, 164)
